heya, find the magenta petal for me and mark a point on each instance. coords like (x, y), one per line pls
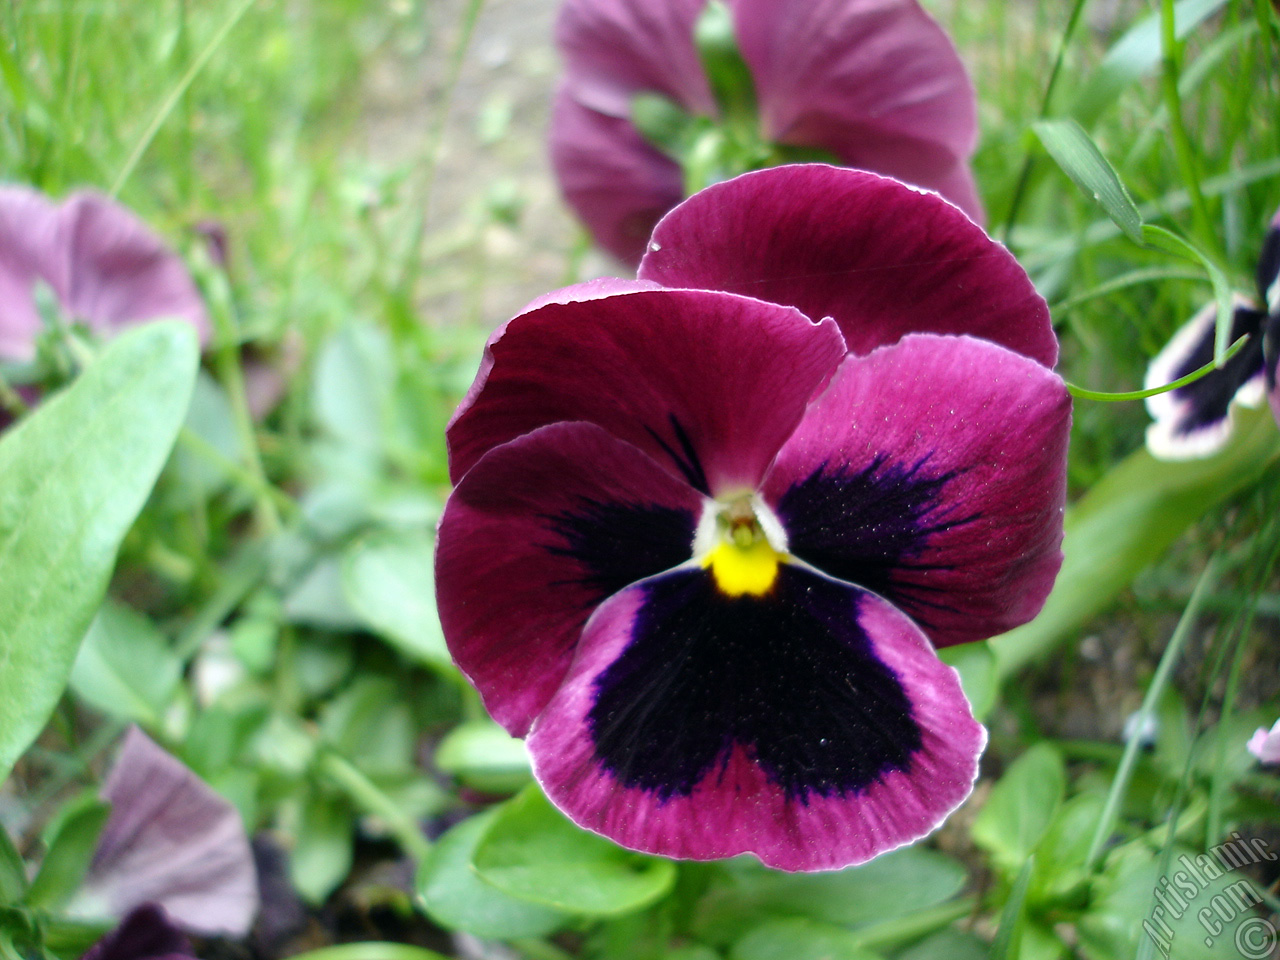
(120, 272)
(619, 185)
(881, 258)
(879, 84)
(708, 384)
(171, 840)
(536, 535)
(28, 253)
(933, 472)
(690, 726)
(615, 48)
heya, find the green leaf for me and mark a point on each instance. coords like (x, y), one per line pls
(322, 848)
(977, 666)
(73, 476)
(455, 897)
(1021, 806)
(532, 852)
(1081, 160)
(484, 756)
(126, 667)
(70, 851)
(948, 944)
(1012, 918)
(799, 939)
(13, 873)
(191, 478)
(371, 723)
(351, 391)
(389, 582)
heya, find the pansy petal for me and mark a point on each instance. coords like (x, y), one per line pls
(1269, 267)
(1196, 420)
(145, 934)
(619, 185)
(28, 254)
(813, 727)
(171, 840)
(616, 48)
(877, 83)
(709, 384)
(538, 534)
(933, 473)
(881, 258)
(120, 272)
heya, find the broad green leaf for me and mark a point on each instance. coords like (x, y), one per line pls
(1021, 806)
(1064, 849)
(73, 476)
(192, 477)
(1134, 55)
(799, 939)
(390, 584)
(70, 851)
(484, 756)
(370, 723)
(322, 847)
(126, 667)
(13, 874)
(1081, 160)
(1127, 520)
(351, 390)
(977, 666)
(456, 898)
(532, 852)
(948, 944)
(318, 600)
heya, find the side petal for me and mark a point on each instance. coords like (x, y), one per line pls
(708, 384)
(615, 48)
(539, 533)
(120, 272)
(1269, 267)
(812, 727)
(881, 258)
(933, 473)
(1195, 420)
(171, 840)
(877, 83)
(617, 184)
(29, 252)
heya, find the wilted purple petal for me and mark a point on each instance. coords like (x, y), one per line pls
(171, 840)
(29, 253)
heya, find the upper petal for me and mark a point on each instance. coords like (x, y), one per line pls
(933, 472)
(881, 258)
(614, 48)
(813, 726)
(534, 538)
(119, 271)
(708, 384)
(29, 252)
(619, 185)
(877, 82)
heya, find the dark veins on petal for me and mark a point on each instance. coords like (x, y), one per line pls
(1208, 398)
(868, 526)
(789, 676)
(686, 458)
(617, 544)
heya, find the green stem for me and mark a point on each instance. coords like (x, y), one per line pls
(1194, 375)
(367, 795)
(253, 482)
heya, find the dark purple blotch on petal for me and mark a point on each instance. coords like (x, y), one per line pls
(145, 934)
(865, 526)
(1204, 403)
(1269, 262)
(790, 676)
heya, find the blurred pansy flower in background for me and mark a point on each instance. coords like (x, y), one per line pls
(663, 97)
(145, 934)
(1265, 744)
(1196, 420)
(710, 524)
(170, 840)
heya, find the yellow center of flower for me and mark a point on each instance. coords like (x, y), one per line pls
(743, 561)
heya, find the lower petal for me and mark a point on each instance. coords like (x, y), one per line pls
(813, 727)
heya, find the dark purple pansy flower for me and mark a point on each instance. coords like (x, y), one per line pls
(875, 84)
(1195, 420)
(710, 524)
(170, 840)
(105, 267)
(145, 934)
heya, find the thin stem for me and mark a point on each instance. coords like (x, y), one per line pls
(367, 795)
(1194, 375)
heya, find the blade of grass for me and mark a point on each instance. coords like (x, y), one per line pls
(1081, 160)
(1005, 945)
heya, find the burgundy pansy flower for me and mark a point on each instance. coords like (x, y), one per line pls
(710, 524)
(1195, 420)
(104, 266)
(874, 84)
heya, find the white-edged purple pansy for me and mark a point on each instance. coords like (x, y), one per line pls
(104, 266)
(874, 84)
(1265, 744)
(1195, 420)
(710, 524)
